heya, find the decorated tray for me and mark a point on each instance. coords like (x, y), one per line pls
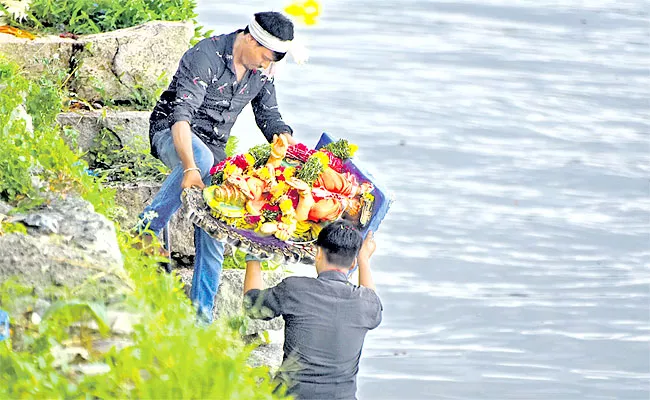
(273, 201)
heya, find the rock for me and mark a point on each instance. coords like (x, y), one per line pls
(114, 65)
(65, 355)
(20, 114)
(84, 249)
(121, 322)
(230, 297)
(135, 196)
(92, 368)
(35, 318)
(41, 306)
(5, 208)
(40, 54)
(43, 223)
(267, 355)
(130, 127)
(104, 345)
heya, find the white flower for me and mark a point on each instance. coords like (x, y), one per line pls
(150, 215)
(16, 8)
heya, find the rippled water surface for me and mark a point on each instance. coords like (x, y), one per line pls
(515, 262)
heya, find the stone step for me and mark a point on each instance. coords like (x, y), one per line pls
(68, 245)
(117, 66)
(231, 294)
(135, 196)
(129, 127)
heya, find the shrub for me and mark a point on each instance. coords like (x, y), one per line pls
(96, 16)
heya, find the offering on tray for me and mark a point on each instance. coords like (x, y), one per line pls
(273, 200)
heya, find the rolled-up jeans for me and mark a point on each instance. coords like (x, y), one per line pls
(208, 260)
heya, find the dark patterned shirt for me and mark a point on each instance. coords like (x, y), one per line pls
(326, 321)
(205, 92)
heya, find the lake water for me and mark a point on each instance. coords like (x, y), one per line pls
(515, 262)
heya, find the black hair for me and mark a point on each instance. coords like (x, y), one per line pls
(277, 25)
(340, 241)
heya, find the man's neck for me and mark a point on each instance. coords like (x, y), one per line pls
(333, 268)
(236, 49)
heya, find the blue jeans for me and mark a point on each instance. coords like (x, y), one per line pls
(208, 260)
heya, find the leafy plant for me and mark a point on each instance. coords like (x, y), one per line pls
(341, 149)
(260, 153)
(231, 146)
(96, 16)
(35, 161)
(238, 261)
(111, 161)
(311, 170)
(200, 34)
(11, 227)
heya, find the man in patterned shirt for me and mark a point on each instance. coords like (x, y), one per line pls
(191, 123)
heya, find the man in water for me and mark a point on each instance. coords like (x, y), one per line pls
(191, 123)
(326, 318)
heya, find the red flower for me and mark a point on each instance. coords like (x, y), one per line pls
(218, 167)
(271, 207)
(293, 195)
(300, 152)
(240, 161)
(254, 219)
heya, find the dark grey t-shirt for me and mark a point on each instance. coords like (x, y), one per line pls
(205, 92)
(326, 320)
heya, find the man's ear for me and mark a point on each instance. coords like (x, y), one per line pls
(250, 39)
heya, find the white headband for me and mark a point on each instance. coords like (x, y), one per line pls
(297, 50)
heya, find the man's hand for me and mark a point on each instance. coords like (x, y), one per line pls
(290, 139)
(192, 179)
(369, 246)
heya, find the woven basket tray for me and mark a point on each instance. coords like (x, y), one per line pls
(265, 248)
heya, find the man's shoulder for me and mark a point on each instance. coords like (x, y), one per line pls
(369, 295)
(214, 45)
(297, 280)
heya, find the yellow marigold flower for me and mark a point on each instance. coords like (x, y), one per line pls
(289, 172)
(264, 173)
(258, 226)
(307, 11)
(249, 159)
(286, 205)
(353, 149)
(230, 169)
(323, 158)
(288, 220)
(303, 227)
(279, 190)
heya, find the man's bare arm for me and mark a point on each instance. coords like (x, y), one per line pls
(253, 278)
(363, 260)
(182, 135)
